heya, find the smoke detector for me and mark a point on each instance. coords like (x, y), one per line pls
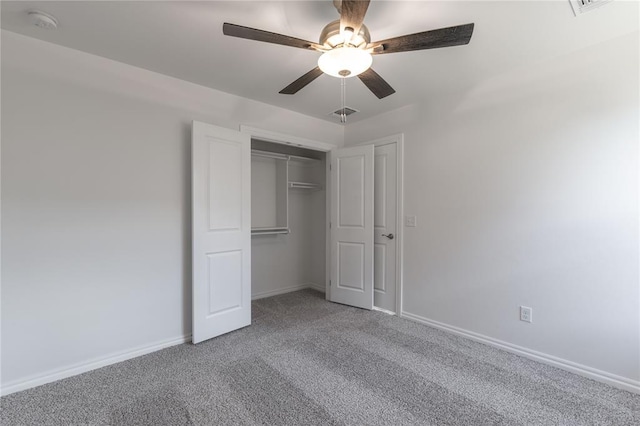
(43, 20)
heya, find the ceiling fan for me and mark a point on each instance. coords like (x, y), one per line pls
(347, 49)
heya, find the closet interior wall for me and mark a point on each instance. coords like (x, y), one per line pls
(281, 261)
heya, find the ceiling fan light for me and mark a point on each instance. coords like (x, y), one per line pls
(344, 62)
(335, 40)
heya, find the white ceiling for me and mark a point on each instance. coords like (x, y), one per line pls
(184, 39)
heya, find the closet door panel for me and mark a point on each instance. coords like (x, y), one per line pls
(350, 185)
(225, 185)
(352, 226)
(385, 226)
(221, 231)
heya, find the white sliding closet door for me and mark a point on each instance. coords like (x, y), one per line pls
(221, 201)
(352, 183)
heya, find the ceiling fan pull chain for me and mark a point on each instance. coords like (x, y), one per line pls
(343, 99)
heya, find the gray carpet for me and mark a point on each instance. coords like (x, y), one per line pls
(305, 361)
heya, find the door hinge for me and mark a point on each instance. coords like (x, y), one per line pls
(330, 166)
(329, 283)
(329, 225)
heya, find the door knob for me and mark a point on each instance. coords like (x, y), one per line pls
(389, 236)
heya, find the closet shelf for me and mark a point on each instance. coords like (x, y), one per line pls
(307, 160)
(304, 185)
(267, 154)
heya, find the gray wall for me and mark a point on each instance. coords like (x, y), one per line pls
(96, 206)
(525, 187)
(526, 191)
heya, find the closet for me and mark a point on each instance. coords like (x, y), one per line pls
(274, 214)
(288, 218)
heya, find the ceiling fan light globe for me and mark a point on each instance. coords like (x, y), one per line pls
(345, 62)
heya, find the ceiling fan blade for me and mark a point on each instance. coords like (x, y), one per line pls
(352, 14)
(376, 84)
(234, 30)
(444, 37)
(294, 87)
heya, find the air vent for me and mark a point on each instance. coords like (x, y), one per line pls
(347, 111)
(583, 6)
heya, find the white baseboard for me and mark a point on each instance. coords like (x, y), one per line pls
(277, 291)
(317, 287)
(284, 290)
(83, 367)
(573, 367)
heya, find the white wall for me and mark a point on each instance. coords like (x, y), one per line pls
(281, 263)
(317, 214)
(96, 205)
(525, 188)
(526, 193)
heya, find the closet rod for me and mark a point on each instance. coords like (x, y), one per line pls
(269, 231)
(279, 156)
(268, 154)
(304, 185)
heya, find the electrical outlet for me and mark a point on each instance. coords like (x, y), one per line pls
(526, 314)
(410, 221)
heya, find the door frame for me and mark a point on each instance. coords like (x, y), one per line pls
(284, 139)
(397, 139)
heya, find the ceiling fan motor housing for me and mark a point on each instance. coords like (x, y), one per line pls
(331, 36)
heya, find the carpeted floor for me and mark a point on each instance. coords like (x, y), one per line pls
(305, 361)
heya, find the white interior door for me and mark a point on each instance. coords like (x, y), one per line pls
(221, 201)
(352, 226)
(385, 232)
